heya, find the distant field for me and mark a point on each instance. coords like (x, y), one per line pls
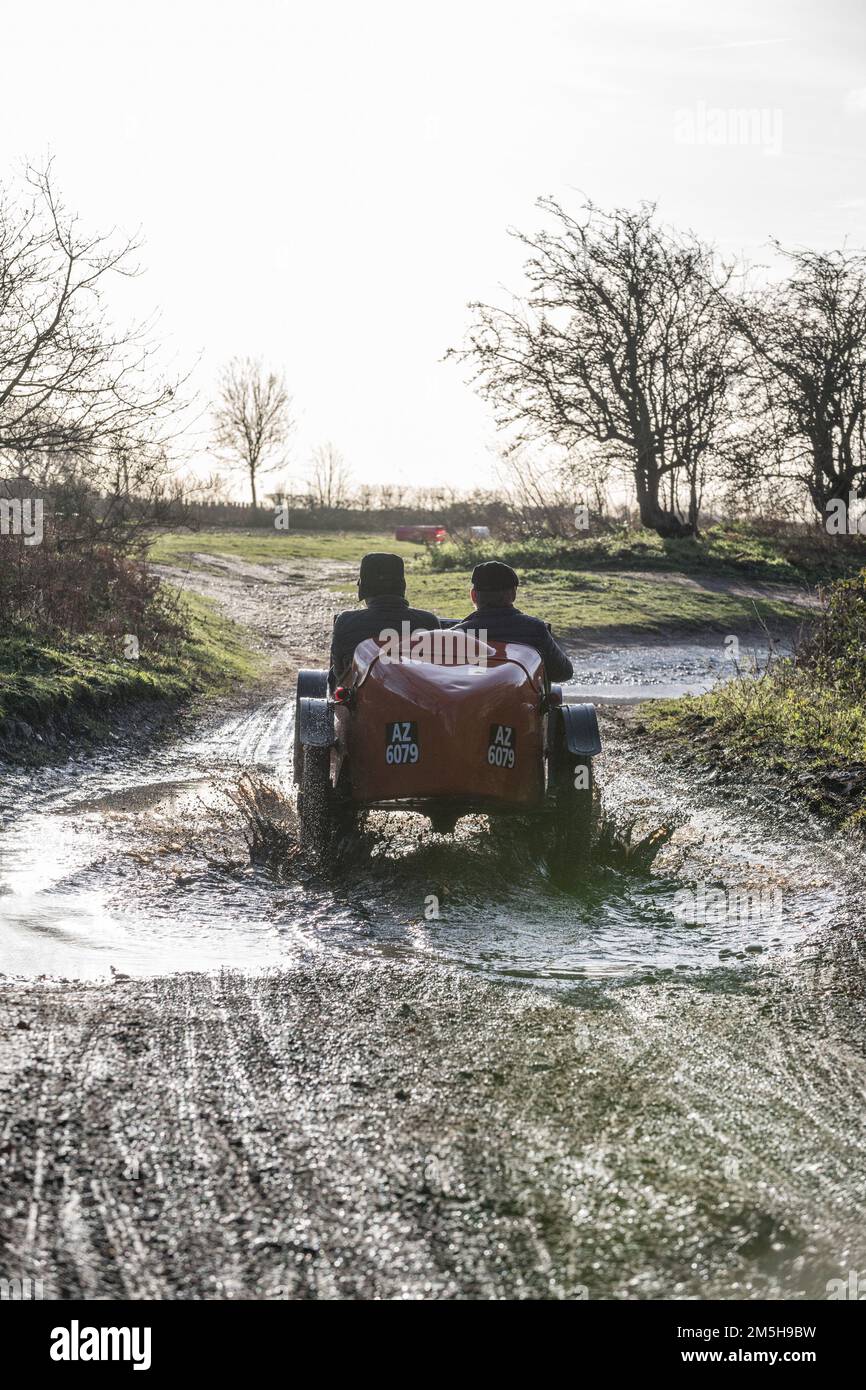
(597, 603)
(572, 600)
(805, 556)
(263, 547)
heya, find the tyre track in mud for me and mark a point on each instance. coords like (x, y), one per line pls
(408, 1132)
(361, 1126)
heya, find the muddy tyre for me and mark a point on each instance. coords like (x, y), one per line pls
(314, 802)
(572, 845)
(344, 820)
(310, 683)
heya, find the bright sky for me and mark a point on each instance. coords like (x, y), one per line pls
(326, 186)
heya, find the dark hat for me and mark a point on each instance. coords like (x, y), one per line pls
(381, 573)
(492, 575)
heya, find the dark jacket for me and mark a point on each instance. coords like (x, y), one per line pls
(508, 624)
(357, 624)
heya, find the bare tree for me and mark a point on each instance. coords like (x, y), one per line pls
(329, 477)
(807, 371)
(621, 343)
(71, 383)
(252, 418)
(391, 495)
(537, 492)
(211, 488)
(84, 413)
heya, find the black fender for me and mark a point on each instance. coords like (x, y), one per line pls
(311, 685)
(580, 726)
(315, 722)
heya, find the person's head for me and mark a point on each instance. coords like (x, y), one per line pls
(494, 585)
(381, 574)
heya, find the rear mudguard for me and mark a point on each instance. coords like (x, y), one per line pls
(313, 683)
(315, 722)
(580, 727)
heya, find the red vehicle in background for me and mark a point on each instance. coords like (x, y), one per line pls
(424, 535)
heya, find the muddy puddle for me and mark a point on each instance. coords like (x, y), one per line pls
(118, 863)
(135, 863)
(635, 671)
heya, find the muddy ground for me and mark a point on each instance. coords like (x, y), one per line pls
(236, 1082)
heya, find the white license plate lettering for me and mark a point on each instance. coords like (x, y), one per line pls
(502, 748)
(402, 748)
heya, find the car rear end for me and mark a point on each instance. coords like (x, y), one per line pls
(416, 731)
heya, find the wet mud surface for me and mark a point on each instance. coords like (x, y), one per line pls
(435, 1073)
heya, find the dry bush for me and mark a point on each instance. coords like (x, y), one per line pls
(95, 590)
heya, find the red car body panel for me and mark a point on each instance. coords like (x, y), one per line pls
(472, 730)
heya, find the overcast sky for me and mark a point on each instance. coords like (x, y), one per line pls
(326, 186)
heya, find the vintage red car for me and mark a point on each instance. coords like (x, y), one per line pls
(446, 725)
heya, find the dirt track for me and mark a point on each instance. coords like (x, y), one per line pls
(395, 1131)
(381, 1123)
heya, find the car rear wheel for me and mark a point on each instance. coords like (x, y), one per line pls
(344, 819)
(314, 802)
(309, 683)
(574, 813)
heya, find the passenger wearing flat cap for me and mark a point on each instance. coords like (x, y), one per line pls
(494, 590)
(382, 589)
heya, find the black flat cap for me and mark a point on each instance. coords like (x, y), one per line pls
(381, 573)
(492, 576)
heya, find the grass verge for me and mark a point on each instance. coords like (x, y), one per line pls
(580, 600)
(803, 719)
(42, 675)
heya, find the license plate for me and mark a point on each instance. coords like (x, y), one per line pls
(502, 748)
(402, 748)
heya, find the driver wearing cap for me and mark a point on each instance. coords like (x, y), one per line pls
(382, 590)
(494, 590)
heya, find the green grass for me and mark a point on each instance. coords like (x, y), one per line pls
(264, 547)
(217, 653)
(41, 674)
(786, 556)
(783, 716)
(598, 603)
(572, 600)
(804, 718)
(783, 722)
